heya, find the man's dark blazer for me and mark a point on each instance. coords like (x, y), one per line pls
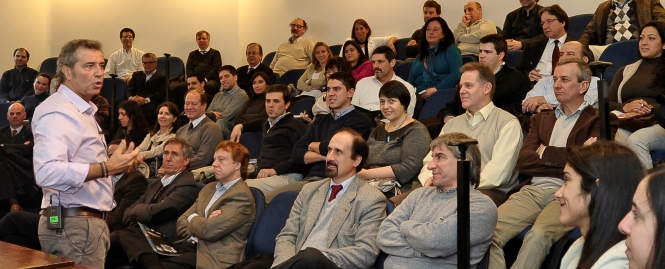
(24, 135)
(552, 162)
(154, 88)
(175, 199)
(126, 192)
(244, 77)
(531, 53)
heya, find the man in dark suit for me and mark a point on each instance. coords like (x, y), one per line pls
(20, 227)
(159, 207)
(16, 143)
(574, 122)
(254, 53)
(148, 87)
(17, 132)
(539, 57)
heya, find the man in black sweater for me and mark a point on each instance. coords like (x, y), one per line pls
(205, 61)
(312, 148)
(17, 82)
(281, 131)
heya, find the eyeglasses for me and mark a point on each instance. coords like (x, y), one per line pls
(548, 22)
(249, 53)
(293, 25)
(150, 62)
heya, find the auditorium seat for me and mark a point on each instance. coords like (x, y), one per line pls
(4, 107)
(290, 77)
(577, 25)
(260, 201)
(176, 66)
(436, 102)
(335, 49)
(620, 54)
(268, 58)
(49, 66)
(120, 93)
(469, 59)
(512, 57)
(252, 141)
(400, 47)
(304, 104)
(498, 30)
(270, 224)
(402, 70)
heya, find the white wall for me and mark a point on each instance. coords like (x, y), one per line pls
(42, 26)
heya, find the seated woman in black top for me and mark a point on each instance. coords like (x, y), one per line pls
(133, 126)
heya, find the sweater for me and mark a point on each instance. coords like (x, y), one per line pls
(254, 108)
(322, 130)
(388, 149)
(422, 231)
(637, 86)
(278, 142)
(520, 27)
(31, 102)
(306, 83)
(207, 64)
(228, 103)
(292, 56)
(15, 84)
(363, 70)
(203, 138)
(444, 69)
(467, 38)
(615, 257)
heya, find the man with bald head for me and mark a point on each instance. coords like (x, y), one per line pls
(472, 27)
(296, 53)
(15, 149)
(17, 82)
(17, 132)
(542, 97)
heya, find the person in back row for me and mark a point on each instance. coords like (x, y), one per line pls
(430, 9)
(201, 132)
(294, 53)
(472, 27)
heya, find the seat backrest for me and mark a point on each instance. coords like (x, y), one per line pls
(468, 59)
(436, 102)
(336, 49)
(577, 25)
(304, 104)
(403, 70)
(268, 58)
(512, 57)
(498, 30)
(290, 77)
(252, 141)
(49, 66)
(4, 107)
(620, 54)
(400, 47)
(271, 223)
(176, 66)
(260, 201)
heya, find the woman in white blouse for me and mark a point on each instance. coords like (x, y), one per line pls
(361, 33)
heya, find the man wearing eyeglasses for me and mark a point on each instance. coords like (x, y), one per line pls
(127, 60)
(540, 56)
(254, 53)
(296, 53)
(147, 87)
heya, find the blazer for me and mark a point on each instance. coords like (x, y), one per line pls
(595, 31)
(21, 137)
(352, 235)
(126, 192)
(552, 162)
(244, 77)
(222, 239)
(162, 216)
(154, 88)
(532, 51)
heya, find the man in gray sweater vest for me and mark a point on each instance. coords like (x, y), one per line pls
(201, 132)
(420, 233)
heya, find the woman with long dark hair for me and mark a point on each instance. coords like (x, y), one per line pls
(362, 33)
(133, 126)
(361, 66)
(598, 182)
(255, 107)
(438, 63)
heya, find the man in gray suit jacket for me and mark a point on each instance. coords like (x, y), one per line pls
(334, 222)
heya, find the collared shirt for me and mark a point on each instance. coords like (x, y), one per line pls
(149, 75)
(345, 185)
(545, 63)
(295, 41)
(220, 190)
(18, 130)
(480, 115)
(205, 50)
(342, 112)
(617, 4)
(123, 63)
(231, 91)
(272, 123)
(167, 180)
(67, 141)
(367, 94)
(545, 88)
(198, 120)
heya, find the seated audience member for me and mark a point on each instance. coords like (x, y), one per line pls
(634, 92)
(313, 81)
(600, 180)
(163, 202)
(133, 127)
(511, 85)
(152, 146)
(644, 225)
(312, 148)
(147, 87)
(472, 27)
(21, 227)
(15, 83)
(620, 20)
(124, 62)
(498, 133)
(438, 63)
(216, 226)
(539, 57)
(31, 102)
(334, 222)
(367, 96)
(396, 149)
(16, 142)
(361, 66)
(334, 65)
(522, 25)
(281, 131)
(430, 9)
(294, 53)
(255, 107)
(227, 103)
(361, 33)
(421, 232)
(205, 61)
(542, 96)
(541, 158)
(201, 132)
(254, 54)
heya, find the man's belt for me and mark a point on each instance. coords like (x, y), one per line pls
(80, 212)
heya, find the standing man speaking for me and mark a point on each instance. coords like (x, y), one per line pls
(71, 162)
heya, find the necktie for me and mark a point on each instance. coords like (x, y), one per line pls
(191, 126)
(555, 55)
(335, 191)
(249, 70)
(14, 132)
